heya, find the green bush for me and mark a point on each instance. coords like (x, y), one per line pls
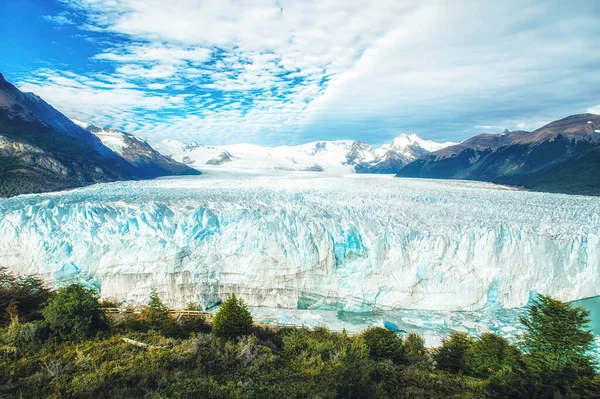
(452, 355)
(233, 319)
(21, 338)
(21, 295)
(414, 350)
(74, 313)
(383, 344)
(289, 363)
(490, 354)
(156, 317)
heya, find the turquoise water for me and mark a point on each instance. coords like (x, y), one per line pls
(432, 325)
(593, 306)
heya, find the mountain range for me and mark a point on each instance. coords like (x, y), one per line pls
(562, 156)
(43, 150)
(341, 156)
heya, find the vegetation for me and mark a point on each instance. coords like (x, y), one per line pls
(557, 345)
(233, 319)
(68, 350)
(21, 296)
(74, 313)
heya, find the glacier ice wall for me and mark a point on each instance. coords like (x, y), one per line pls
(304, 241)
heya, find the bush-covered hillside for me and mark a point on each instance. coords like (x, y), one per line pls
(62, 345)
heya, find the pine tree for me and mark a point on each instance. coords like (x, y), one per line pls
(155, 313)
(233, 319)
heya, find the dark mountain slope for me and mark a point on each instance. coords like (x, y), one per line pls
(149, 162)
(552, 158)
(36, 158)
(43, 150)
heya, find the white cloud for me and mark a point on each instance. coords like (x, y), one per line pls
(156, 86)
(58, 19)
(341, 67)
(154, 72)
(154, 53)
(594, 110)
(98, 101)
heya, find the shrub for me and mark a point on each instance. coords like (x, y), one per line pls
(383, 344)
(155, 313)
(414, 349)
(24, 294)
(490, 354)
(156, 317)
(451, 356)
(233, 319)
(23, 337)
(74, 313)
(108, 303)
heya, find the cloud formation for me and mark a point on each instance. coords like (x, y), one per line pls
(274, 72)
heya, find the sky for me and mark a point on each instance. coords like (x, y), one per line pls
(290, 72)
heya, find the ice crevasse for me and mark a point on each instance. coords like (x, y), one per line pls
(352, 243)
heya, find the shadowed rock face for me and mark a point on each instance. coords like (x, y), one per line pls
(42, 150)
(149, 162)
(558, 157)
(220, 159)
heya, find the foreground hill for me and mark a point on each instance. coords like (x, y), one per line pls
(43, 150)
(149, 162)
(562, 156)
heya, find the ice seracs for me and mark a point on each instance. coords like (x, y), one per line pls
(309, 241)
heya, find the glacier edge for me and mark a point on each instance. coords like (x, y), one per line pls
(354, 243)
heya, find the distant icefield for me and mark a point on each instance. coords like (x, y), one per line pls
(303, 240)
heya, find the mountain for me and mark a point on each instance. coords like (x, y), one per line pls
(149, 162)
(43, 150)
(562, 156)
(341, 156)
(391, 158)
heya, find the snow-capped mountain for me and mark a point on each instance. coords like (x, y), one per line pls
(138, 152)
(341, 156)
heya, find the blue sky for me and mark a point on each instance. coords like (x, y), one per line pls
(289, 72)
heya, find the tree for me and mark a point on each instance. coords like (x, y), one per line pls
(491, 353)
(383, 344)
(451, 356)
(233, 319)
(414, 349)
(155, 313)
(156, 316)
(74, 313)
(556, 343)
(25, 295)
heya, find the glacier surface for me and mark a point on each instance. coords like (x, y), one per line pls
(307, 241)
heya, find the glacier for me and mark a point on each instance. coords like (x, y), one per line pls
(302, 240)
